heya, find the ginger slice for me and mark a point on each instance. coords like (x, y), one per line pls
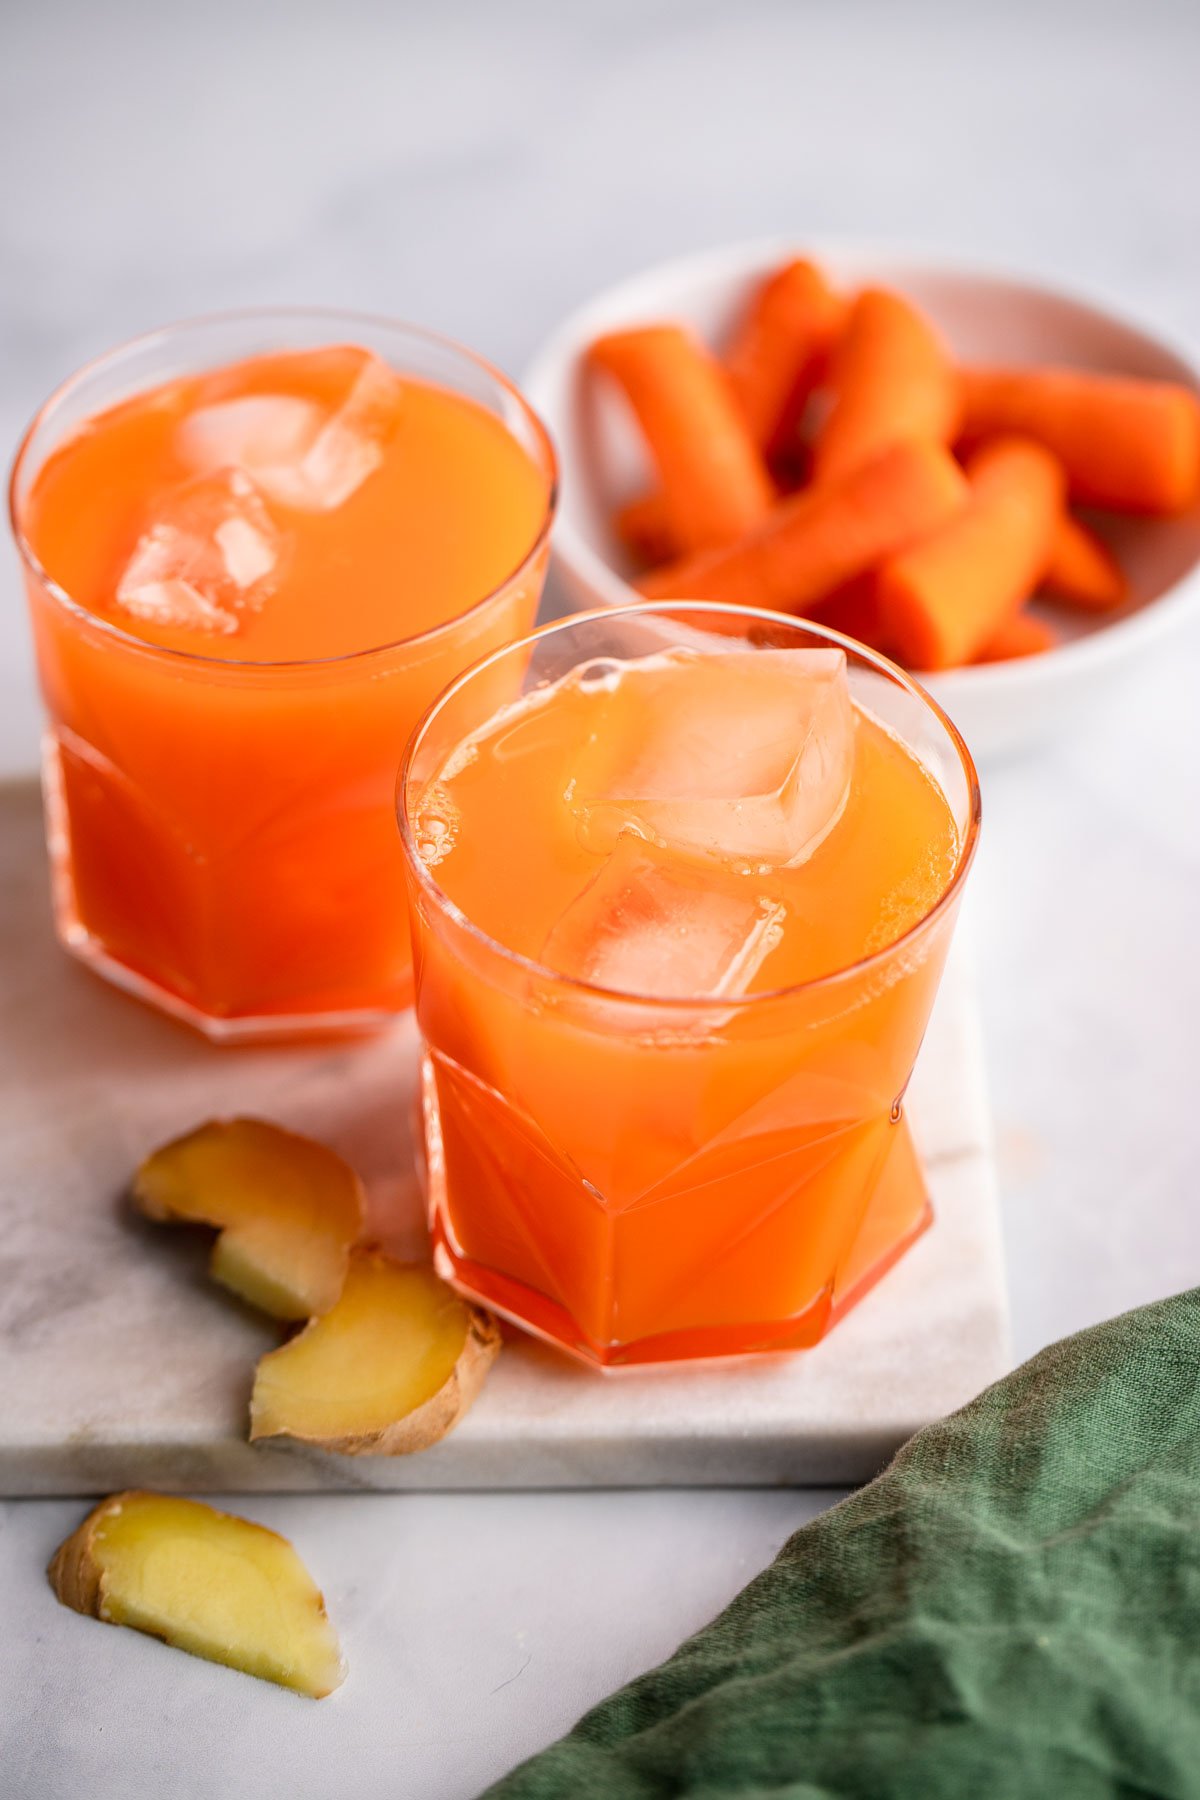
(205, 1581)
(389, 1370)
(287, 1208)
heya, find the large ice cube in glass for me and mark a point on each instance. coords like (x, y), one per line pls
(301, 454)
(744, 756)
(651, 925)
(259, 431)
(207, 558)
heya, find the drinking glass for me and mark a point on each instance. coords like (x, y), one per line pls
(641, 1179)
(221, 833)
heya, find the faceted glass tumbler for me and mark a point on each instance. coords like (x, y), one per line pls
(221, 833)
(641, 1179)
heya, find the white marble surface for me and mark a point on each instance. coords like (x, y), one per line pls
(483, 168)
(127, 1367)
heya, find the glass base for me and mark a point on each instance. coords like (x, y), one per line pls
(898, 1213)
(218, 1028)
(234, 1028)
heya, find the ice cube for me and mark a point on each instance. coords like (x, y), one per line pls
(350, 445)
(744, 756)
(207, 559)
(649, 924)
(300, 454)
(259, 431)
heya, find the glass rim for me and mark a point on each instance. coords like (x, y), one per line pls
(108, 359)
(674, 1004)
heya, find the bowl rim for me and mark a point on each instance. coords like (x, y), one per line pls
(752, 256)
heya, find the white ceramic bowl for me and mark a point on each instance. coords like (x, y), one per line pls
(999, 707)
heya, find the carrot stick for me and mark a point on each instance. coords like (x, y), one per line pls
(643, 528)
(855, 610)
(818, 539)
(1132, 445)
(945, 598)
(890, 379)
(779, 349)
(1022, 635)
(1083, 570)
(715, 484)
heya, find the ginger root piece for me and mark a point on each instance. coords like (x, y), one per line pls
(287, 1208)
(208, 1583)
(389, 1370)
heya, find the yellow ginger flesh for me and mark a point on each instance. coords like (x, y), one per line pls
(390, 1369)
(287, 1208)
(204, 1581)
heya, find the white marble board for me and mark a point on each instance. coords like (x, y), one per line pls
(122, 1364)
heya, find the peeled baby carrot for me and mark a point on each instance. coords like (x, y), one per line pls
(890, 379)
(715, 484)
(642, 526)
(855, 610)
(1132, 445)
(1083, 570)
(780, 347)
(818, 539)
(945, 598)
(1022, 635)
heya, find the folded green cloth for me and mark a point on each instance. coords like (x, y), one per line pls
(1011, 1609)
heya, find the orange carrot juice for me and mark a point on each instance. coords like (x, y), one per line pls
(253, 558)
(680, 910)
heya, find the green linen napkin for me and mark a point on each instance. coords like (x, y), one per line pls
(1011, 1609)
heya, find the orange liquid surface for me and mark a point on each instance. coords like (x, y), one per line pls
(451, 507)
(229, 829)
(639, 1179)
